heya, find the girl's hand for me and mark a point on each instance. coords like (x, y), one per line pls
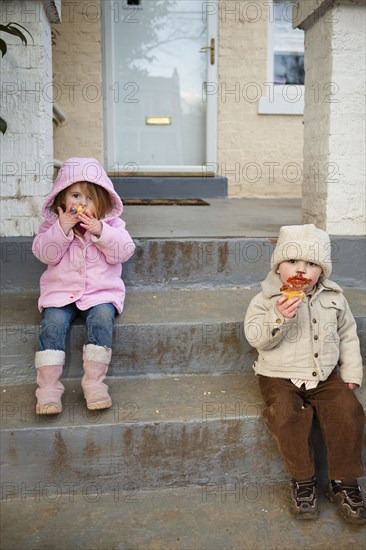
(352, 386)
(67, 219)
(287, 308)
(90, 223)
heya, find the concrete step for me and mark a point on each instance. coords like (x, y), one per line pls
(234, 515)
(188, 262)
(160, 332)
(160, 432)
(222, 219)
(167, 431)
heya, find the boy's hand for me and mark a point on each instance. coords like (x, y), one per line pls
(91, 224)
(352, 386)
(67, 219)
(287, 308)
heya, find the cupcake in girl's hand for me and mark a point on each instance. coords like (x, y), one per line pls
(293, 287)
(78, 226)
(76, 210)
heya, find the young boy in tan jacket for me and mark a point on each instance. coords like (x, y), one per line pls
(309, 363)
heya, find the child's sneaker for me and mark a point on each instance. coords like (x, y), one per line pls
(304, 502)
(349, 500)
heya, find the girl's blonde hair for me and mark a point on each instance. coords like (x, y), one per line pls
(101, 198)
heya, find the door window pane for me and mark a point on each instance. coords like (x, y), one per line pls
(156, 49)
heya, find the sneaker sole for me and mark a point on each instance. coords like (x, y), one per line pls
(305, 515)
(343, 511)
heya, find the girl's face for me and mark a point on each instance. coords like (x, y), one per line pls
(308, 270)
(77, 194)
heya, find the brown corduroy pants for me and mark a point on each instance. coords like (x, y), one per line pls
(289, 416)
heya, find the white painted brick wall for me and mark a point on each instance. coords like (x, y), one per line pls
(26, 147)
(346, 203)
(335, 124)
(318, 73)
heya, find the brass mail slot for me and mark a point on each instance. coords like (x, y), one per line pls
(158, 120)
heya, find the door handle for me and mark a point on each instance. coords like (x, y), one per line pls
(211, 49)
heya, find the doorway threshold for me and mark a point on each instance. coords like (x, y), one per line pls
(165, 202)
(162, 174)
(170, 187)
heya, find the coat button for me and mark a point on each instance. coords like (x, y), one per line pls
(314, 321)
(316, 355)
(314, 373)
(278, 321)
(334, 303)
(315, 337)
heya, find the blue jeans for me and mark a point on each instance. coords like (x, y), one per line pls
(56, 323)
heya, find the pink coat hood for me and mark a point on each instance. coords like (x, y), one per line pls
(85, 270)
(75, 170)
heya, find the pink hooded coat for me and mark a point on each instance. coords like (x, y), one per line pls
(85, 270)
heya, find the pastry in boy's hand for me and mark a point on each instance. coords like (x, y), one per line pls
(293, 293)
(294, 287)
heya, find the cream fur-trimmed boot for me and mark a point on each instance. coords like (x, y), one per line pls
(49, 364)
(95, 361)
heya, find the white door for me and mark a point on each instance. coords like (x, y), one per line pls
(160, 59)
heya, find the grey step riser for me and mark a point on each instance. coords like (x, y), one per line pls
(188, 262)
(137, 349)
(236, 262)
(161, 349)
(142, 456)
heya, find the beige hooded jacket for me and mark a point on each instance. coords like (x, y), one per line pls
(310, 346)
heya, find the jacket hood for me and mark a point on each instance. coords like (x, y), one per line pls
(75, 170)
(272, 284)
(303, 242)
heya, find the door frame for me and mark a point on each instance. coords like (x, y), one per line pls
(211, 100)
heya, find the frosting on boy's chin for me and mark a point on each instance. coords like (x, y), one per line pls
(298, 282)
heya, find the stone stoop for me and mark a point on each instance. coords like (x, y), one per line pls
(160, 432)
(192, 262)
(186, 416)
(236, 515)
(160, 332)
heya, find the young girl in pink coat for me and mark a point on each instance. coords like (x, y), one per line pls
(83, 242)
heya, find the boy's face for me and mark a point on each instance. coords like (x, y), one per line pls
(308, 270)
